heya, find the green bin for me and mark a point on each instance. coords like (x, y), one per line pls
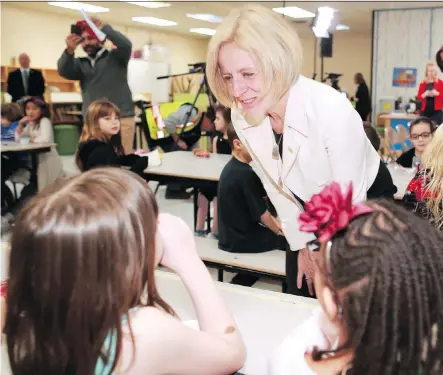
(66, 137)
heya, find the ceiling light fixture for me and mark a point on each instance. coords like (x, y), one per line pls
(205, 17)
(294, 12)
(149, 4)
(154, 21)
(324, 22)
(76, 5)
(341, 27)
(202, 30)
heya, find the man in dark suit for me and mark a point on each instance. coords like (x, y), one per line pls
(25, 81)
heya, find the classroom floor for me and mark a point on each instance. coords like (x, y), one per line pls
(184, 210)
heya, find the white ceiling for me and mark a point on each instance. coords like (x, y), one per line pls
(355, 14)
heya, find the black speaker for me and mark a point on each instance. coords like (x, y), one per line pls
(326, 46)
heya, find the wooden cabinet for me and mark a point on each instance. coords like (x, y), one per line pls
(52, 78)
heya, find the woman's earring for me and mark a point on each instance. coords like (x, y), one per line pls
(340, 312)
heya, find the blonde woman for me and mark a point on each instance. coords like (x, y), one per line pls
(430, 92)
(433, 163)
(300, 133)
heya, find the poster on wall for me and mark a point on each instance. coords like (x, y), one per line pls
(404, 77)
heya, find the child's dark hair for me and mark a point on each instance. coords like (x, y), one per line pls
(386, 271)
(422, 120)
(232, 135)
(11, 111)
(372, 135)
(226, 113)
(42, 105)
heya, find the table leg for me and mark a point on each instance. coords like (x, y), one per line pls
(195, 193)
(34, 170)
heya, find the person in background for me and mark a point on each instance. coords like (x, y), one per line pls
(100, 142)
(430, 92)
(10, 116)
(421, 131)
(372, 135)
(424, 193)
(379, 281)
(103, 74)
(246, 224)
(10, 162)
(25, 82)
(362, 97)
(220, 145)
(82, 284)
(439, 58)
(37, 126)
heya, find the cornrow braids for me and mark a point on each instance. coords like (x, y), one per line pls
(386, 269)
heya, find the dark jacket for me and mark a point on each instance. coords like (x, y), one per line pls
(107, 79)
(36, 84)
(363, 105)
(95, 153)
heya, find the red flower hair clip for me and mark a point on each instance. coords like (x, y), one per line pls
(330, 211)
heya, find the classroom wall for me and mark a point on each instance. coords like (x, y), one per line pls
(42, 35)
(405, 39)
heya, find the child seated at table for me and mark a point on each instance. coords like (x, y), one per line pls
(220, 145)
(420, 132)
(10, 116)
(245, 222)
(424, 194)
(379, 281)
(82, 295)
(37, 127)
(100, 142)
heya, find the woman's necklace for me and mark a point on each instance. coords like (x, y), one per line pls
(276, 148)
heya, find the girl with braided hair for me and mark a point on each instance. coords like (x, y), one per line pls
(379, 281)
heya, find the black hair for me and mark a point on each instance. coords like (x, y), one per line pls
(386, 271)
(423, 120)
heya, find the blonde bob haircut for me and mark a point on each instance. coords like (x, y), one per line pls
(270, 40)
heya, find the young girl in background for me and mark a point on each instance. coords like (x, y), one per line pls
(100, 141)
(425, 191)
(37, 126)
(82, 297)
(379, 281)
(220, 145)
(421, 131)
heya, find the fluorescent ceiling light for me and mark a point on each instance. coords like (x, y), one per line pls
(205, 17)
(341, 27)
(202, 30)
(149, 4)
(154, 21)
(294, 12)
(76, 5)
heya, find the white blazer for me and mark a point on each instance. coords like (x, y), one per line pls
(324, 141)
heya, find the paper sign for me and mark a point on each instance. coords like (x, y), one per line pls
(100, 34)
(404, 77)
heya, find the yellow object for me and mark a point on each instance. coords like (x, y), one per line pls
(166, 109)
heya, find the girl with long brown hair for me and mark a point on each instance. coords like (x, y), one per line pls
(82, 296)
(100, 141)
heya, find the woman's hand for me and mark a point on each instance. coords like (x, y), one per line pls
(435, 92)
(306, 267)
(179, 249)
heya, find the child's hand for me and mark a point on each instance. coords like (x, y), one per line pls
(179, 249)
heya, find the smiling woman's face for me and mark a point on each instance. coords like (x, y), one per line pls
(244, 80)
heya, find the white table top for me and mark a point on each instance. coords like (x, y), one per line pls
(15, 146)
(264, 318)
(273, 262)
(402, 177)
(185, 164)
